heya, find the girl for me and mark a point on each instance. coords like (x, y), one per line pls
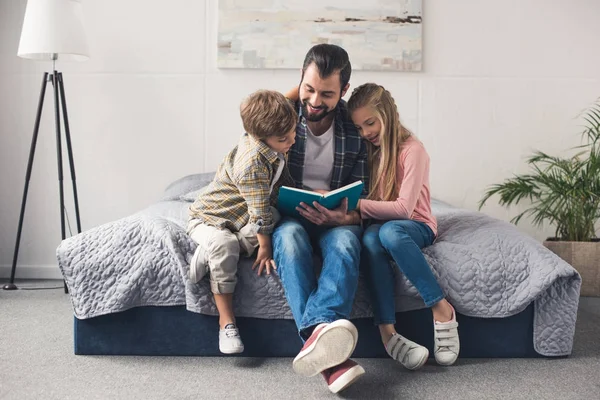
(399, 194)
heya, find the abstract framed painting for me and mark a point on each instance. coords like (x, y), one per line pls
(272, 34)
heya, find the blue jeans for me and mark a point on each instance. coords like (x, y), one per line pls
(400, 241)
(330, 296)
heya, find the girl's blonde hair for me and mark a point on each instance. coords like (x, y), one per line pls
(383, 160)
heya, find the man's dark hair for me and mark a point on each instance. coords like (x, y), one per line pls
(329, 59)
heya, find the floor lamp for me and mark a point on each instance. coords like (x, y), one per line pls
(52, 31)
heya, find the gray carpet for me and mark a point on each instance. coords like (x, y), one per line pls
(37, 362)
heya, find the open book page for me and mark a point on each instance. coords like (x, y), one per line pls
(344, 188)
(334, 198)
(301, 191)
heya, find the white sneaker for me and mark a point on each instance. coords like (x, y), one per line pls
(446, 341)
(408, 353)
(230, 341)
(197, 266)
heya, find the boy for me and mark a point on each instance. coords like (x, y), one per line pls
(233, 214)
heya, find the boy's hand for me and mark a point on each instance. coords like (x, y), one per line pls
(264, 260)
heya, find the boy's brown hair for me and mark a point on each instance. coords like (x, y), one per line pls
(266, 113)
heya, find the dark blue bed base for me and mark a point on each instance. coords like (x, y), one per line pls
(174, 331)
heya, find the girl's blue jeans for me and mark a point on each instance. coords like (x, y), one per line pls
(400, 241)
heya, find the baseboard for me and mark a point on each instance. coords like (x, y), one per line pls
(32, 272)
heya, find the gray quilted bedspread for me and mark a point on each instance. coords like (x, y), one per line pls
(486, 267)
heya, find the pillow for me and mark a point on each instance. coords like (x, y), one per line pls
(184, 186)
(191, 196)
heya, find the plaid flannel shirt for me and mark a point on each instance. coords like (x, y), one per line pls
(240, 193)
(350, 158)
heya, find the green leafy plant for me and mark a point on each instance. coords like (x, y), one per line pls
(565, 192)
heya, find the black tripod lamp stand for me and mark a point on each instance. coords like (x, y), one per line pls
(52, 30)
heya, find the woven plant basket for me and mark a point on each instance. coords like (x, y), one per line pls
(585, 258)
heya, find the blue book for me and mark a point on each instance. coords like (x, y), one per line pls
(290, 198)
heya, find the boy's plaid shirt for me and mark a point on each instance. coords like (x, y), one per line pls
(240, 192)
(350, 158)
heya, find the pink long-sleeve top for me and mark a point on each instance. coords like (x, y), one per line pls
(414, 198)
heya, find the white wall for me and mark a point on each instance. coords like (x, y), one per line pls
(500, 78)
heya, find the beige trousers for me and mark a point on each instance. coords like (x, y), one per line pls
(218, 253)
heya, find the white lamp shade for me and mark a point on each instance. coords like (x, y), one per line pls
(53, 29)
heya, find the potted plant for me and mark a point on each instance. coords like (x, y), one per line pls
(564, 192)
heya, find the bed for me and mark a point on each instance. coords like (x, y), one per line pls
(128, 285)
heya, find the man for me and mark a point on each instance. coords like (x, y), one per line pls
(328, 153)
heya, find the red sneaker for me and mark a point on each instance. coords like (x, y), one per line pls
(328, 346)
(341, 376)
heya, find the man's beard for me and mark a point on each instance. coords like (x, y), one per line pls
(312, 117)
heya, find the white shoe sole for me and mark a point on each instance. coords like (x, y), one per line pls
(232, 351)
(347, 379)
(334, 345)
(421, 362)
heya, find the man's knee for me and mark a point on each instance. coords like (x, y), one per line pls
(290, 235)
(344, 242)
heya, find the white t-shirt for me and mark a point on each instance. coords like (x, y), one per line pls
(279, 171)
(318, 160)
